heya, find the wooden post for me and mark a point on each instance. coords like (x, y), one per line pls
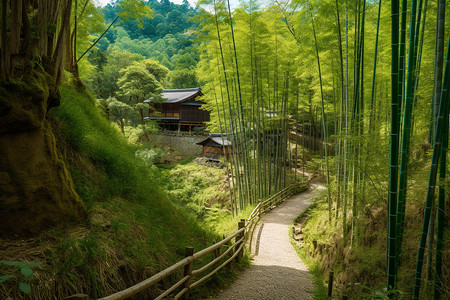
(241, 224)
(216, 253)
(330, 284)
(188, 271)
(259, 210)
(229, 254)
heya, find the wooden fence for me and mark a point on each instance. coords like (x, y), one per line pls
(221, 257)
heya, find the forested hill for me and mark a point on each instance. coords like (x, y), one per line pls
(168, 18)
(169, 38)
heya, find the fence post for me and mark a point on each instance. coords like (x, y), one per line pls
(259, 210)
(330, 284)
(216, 253)
(188, 272)
(241, 224)
(230, 254)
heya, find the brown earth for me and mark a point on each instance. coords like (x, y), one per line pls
(36, 190)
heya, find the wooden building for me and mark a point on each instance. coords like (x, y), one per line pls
(215, 146)
(180, 109)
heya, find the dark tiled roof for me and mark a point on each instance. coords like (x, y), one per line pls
(180, 95)
(221, 141)
(216, 138)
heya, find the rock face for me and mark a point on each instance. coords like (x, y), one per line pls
(36, 190)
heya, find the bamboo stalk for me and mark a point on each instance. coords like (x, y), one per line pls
(438, 62)
(440, 127)
(323, 120)
(394, 139)
(441, 218)
(406, 132)
(374, 70)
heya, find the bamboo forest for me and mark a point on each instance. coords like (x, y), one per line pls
(224, 149)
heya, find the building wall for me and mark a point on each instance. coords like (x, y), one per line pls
(165, 110)
(181, 146)
(212, 152)
(191, 113)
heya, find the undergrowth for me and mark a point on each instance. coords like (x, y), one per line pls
(320, 291)
(360, 266)
(132, 230)
(198, 188)
(204, 192)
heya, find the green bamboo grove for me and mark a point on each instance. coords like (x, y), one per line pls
(323, 77)
(251, 94)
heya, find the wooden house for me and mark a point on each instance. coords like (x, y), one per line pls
(180, 109)
(215, 146)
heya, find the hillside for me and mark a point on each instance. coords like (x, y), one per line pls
(131, 229)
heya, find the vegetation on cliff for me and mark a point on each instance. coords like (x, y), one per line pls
(132, 229)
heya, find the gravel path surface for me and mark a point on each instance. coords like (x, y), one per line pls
(276, 271)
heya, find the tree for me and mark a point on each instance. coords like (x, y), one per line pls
(136, 84)
(85, 19)
(105, 79)
(33, 40)
(141, 81)
(129, 10)
(118, 111)
(180, 79)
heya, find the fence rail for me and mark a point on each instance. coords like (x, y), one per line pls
(245, 230)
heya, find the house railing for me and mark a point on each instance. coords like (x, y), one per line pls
(164, 114)
(230, 253)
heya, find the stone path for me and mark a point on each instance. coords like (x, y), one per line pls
(276, 271)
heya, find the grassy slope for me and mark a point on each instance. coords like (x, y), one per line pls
(204, 192)
(360, 271)
(132, 230)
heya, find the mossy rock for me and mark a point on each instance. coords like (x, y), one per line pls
(36, 190)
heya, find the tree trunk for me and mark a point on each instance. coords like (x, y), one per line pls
(36, 191)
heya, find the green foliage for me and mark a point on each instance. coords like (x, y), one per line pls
(89, 21)
(184, 78)
(165, 38)
(165, 61)
(132, 225)
(116, 111)
(136, 84)
(137, 134)
(3, 278)
(150, 156)
(224, 223)
(169, 18)
(185, 61)
(93, 135)
(26, 273)
(104, 81)
(381, 294)
(134, 10)
(159, 71)
(201, 189)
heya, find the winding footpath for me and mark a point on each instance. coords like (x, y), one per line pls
(276, 271)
